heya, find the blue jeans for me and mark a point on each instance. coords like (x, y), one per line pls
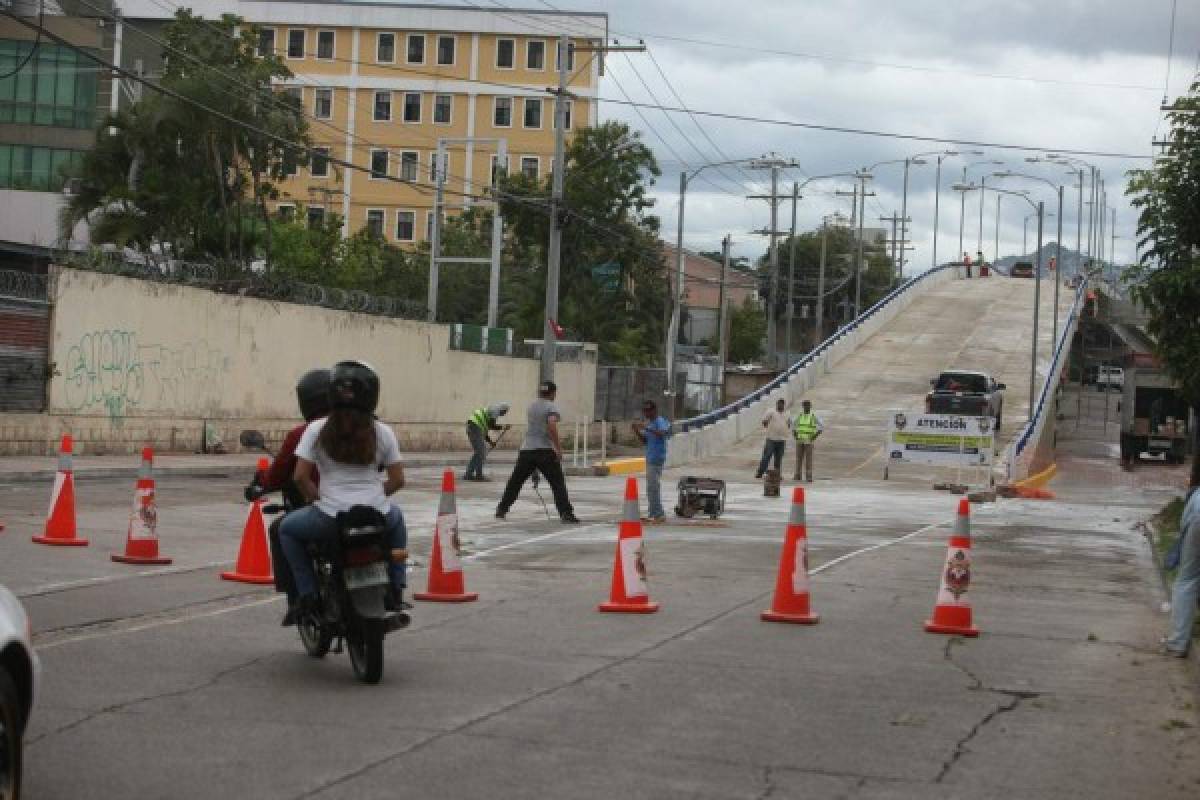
(772, 448)
(1187, 589)
(311, 524)
(654, 508)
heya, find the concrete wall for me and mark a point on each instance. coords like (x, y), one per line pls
(137, 361)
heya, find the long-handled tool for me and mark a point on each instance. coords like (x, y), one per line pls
(498, 438)
(536, 480)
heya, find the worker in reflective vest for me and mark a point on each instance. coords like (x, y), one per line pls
(481, 423)
(806, 429)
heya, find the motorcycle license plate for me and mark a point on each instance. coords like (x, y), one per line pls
(1163, 443)
(370, 575)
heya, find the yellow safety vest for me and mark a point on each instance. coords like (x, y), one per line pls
(480, 418)
(806, 427)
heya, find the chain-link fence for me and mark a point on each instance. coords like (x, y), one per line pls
(23, 286)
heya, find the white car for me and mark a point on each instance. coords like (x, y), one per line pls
(19, 671)
(1109, 378)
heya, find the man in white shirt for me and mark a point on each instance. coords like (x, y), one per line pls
(779, 428)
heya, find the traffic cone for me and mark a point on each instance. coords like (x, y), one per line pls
(254, 558)
(952, 611)
(60, 520)
(791, 603)
(446, 580)
(629, 593)
(141, 541)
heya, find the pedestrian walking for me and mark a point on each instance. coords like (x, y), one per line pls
(1187, 579)
(779, 427)
(482, 422)
(540, 451)
(654, 433)
(807, 428)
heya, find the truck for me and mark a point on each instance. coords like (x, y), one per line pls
(1155, 418)
(966, 393)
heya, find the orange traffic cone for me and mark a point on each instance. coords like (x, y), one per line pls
(629, 593)
(254, 558)
(952, 611)
(446, 581)
(60, 521)
(141, 541)
(791, 603)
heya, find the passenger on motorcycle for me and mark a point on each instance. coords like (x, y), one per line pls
(312, 394)
(359, 462)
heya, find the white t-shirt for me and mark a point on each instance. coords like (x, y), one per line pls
(779, 426)
(346, 485)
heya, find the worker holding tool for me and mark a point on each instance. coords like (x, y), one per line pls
(482, 422)
(540, 452)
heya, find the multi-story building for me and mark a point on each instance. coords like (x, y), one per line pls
(383, 84)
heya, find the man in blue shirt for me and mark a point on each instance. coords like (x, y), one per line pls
(654, 433)
(1187, 580)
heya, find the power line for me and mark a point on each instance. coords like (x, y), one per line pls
(36, 44)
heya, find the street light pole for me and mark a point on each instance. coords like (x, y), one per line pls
(673, 327)
(996, 251)
(982, 195)
(858, 278)
(1037, 302)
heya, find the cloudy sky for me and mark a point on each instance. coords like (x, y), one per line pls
(1084, 75)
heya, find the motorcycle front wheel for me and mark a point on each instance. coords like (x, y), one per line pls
(315, 636)
(366, 653)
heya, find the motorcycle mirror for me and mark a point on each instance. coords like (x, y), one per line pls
(253, 439)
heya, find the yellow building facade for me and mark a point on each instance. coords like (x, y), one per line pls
(382, 84)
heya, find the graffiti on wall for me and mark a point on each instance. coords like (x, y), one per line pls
(112, 371)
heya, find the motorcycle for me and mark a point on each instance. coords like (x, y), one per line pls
(353, 585)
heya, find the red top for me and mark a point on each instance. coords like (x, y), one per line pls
(284, 465)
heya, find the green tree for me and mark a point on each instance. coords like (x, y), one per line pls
(1166, 279)
(747, 330)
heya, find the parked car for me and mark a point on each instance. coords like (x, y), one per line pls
(967, 393)
(1021, 269)
(18, 678)
(1109, 377)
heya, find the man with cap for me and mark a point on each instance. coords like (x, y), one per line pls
(541, 451)
(482, 421)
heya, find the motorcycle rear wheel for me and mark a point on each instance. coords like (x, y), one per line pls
(315, 637)
(366, 654)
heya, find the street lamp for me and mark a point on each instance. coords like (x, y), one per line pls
(937, 193)
(917, 159)
(1094, 172)
(962, 211)
(1058, 188)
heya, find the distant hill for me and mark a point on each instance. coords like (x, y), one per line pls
(1072, 261)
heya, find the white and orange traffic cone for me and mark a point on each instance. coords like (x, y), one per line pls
(447, 583)
(141, 540)
(792, 600)
(629, 593)
(60, 520)
(254, 556)
(952, 611)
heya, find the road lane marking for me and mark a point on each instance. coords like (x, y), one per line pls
(879, 546)
(52, 588)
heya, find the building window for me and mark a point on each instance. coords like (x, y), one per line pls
(412, 106)
(285, 213)
(379, 164)
(39, 169)
(529, 167)
(375, 222)
(498, 168)
(535, 54)
(325, 45)
(570, 56)
(502, 112)
(416, 48)
(442, 105)
(385, 48)
(266, 44)
(323, 103)
(433, 167)
(533, 112)
(316, 216)
(319, 166)
(408, 165)
(383, 106)
(406, 223)
(57, 87)
(295, 44)
(445, 51)
(505, 49)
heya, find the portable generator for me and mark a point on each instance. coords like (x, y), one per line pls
(700, 496)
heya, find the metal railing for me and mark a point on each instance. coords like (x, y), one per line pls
(23, 286)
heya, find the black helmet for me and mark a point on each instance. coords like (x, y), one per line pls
(312, 392)
(353, 384)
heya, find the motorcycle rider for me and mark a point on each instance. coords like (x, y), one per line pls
(351, 449)
(312, 394)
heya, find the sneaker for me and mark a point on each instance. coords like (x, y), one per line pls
(1166, 650)
(569, 518)
(501, 513)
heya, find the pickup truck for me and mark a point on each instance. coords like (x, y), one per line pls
(966, 393)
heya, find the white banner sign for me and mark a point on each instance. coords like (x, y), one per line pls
(940, 440)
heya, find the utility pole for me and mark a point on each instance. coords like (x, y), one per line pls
(775, 164)
(791, 295)
(435, 247)
(858, 272)
(722, 313)
(554, 253)
(894, 219)
(820, 320)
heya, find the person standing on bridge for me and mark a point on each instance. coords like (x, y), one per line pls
(807, 428)
(1187, 580)
(779, 426)
(483, 421)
